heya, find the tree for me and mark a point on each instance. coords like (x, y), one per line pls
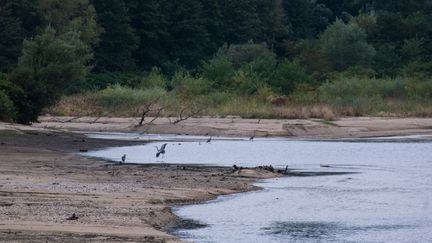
(118, 41)
(18, 20)
(305, 18)
(150, 20)
(288, 75)
(189, 37)
(48, 66)
(344, 45)
(241, 22)
(67, 15)
(271, 17)
(213, 19)
(11, 36)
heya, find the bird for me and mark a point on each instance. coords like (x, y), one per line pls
(209, 140)
(73, 217)
(253, 136)
(123, 158)
(161, 150)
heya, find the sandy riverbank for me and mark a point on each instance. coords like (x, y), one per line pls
(43, 181)
(342, 128)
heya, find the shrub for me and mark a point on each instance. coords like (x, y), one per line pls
(188, 86)
(153, 79)
(124, 98)
(50, 64)
(344, 45)
(7, 108)
(288, 75)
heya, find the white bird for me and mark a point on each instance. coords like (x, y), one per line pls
(161, 150)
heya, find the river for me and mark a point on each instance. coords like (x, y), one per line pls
(382, 194)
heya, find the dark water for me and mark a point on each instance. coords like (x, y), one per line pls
(385, 198)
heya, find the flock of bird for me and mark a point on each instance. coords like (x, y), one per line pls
(162, 151)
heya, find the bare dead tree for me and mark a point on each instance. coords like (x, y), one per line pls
(186, 113)
(148, 108)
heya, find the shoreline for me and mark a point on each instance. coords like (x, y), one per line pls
(43, 180)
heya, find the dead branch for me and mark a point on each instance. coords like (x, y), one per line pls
(184, 118)
(147, 109)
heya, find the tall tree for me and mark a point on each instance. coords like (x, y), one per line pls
(150, 20)
(241, 22)
(18, 20)
(66, 15)
(344, 45)
(189, 37)
(213, 18)
(48, 66)
(306, 18)
(271, 17)
(118, 41)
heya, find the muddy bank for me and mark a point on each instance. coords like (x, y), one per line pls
(43, 183)
(232, 126)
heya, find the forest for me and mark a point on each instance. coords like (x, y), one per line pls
(249, 58)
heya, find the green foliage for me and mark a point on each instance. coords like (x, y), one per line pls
(344, 45)
(219, 70)
(15, 103)
(150, 20)
(118, 41)
(119, 97)
(288, 75)
(187, 86)
(368, 95)
(254, 58)
(18, 20)
(49, 66)
(72, 15)
(7, 108)
(153, 79)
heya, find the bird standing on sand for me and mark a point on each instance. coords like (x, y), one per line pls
(161, 150)
(123, 158)
(253, 136)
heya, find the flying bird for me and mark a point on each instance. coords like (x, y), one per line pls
(161, 150)
(209, 140)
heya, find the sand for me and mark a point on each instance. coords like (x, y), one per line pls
(232, 126)
(43, 181)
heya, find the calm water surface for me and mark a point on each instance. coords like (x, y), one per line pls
(386, 197)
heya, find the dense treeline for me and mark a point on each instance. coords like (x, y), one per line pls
(193, 48)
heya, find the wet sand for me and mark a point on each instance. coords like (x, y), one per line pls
(43, 182)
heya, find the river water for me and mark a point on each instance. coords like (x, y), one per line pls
(383, 195)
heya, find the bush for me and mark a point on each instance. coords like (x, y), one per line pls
(124, 98)
(288, 75)
(100, 81)
(344, 45)
(7, 108)
(219, 71)
(153, 79)
(187, 86)
(231, 62)
(50, 64)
